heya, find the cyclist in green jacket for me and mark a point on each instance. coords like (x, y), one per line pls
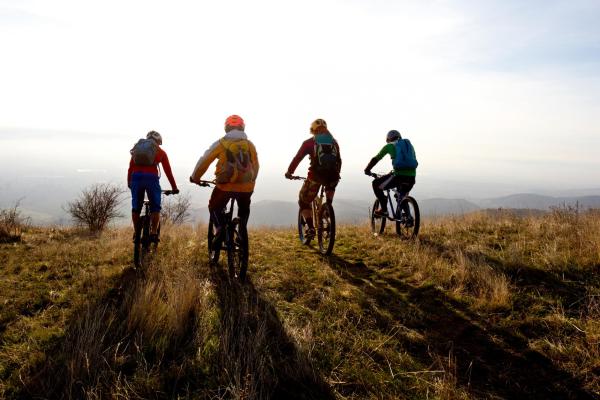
(401, 178)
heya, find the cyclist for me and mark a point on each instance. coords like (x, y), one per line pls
(236, 171)
(324, 169)
(401, 178)
(143, 177)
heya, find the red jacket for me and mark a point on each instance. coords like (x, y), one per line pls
(161, 157)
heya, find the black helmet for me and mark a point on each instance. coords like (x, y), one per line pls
(392, 136)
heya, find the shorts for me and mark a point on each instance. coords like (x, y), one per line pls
(309, 191)
(144, 183)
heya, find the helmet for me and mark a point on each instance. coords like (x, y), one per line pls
(154, 135)
(235, 121)
(392, 136)
(318, 126)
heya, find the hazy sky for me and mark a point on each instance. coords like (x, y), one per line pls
(503, 92)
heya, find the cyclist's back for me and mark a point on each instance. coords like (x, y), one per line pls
(236, 170)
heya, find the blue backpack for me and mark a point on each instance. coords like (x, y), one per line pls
(405, 155)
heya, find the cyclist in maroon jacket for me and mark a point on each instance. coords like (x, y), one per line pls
(324, 169)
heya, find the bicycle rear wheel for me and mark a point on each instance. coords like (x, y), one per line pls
(237, 252)
(326, 229)
(304, 239)
(377, 221)
(214, 246)
(408, 226)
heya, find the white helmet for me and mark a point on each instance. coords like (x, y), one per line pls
(154, 135)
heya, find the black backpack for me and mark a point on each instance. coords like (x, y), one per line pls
(326, 160)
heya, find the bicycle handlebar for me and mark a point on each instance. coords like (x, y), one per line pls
(203, 183)
(170, 192)
(297, 178)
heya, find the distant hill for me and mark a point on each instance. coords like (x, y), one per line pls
(539, 202)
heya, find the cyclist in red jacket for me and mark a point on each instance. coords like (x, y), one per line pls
(145, 179)
(324, 169)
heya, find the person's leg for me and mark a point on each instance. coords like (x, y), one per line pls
(154, 196)
(405, 185)
(307, 194)
(379, 185)
(216, 205)
(330, 191)
(137, 199)
(243, 200)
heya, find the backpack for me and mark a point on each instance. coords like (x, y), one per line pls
(405, 155)
(238, 167)
(144, 152)
(326, 157)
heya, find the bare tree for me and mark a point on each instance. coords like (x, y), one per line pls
(12, 223)
(176, 210)
(96, 206)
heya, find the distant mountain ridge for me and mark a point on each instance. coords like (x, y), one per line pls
(539, 202)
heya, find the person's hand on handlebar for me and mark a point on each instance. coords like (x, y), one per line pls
(175, 191)
(288, 175)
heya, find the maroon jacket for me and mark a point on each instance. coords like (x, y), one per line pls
(308, 148)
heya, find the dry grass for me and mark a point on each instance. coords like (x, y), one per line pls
(481, 306)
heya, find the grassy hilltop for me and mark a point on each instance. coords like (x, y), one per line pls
(482, 306)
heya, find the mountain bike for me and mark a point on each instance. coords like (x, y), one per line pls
(324, 219)
(229, 238)
(407, 223)
(142, 245)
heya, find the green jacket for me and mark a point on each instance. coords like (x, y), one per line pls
(390, 149)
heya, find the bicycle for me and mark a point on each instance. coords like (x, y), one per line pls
(324, 217)
(231, 237)
(141, 242)
(407, 224)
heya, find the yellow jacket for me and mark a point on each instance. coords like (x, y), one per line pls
(232, 140)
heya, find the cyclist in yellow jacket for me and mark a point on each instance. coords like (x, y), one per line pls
(236, 172)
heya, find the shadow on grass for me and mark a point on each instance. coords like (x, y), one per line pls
(100, 356)
(489, 364)
(257, 358)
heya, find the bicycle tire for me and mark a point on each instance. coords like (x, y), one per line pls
(326, 229)
(301, 225)
(213, 254)
(377, 222)
(403, 228)
(237, 252)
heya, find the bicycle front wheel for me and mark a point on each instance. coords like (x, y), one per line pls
(237, 252)
(377, 221)
(214, 246)
(408, 225)
(326, 230)
(302, 228)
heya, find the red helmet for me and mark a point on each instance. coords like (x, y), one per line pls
(234, 121)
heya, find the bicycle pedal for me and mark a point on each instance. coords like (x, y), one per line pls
(236, 220)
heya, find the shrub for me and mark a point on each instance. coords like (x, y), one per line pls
(176, 210)
(12, 224)
(96, 206)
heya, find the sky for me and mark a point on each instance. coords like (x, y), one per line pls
(504, 94)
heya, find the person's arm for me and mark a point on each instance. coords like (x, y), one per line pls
(339, 156)
(167, 167)
(304, 150)
(254, 156)
(385, 150)
(204, 162)
(129, 172)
